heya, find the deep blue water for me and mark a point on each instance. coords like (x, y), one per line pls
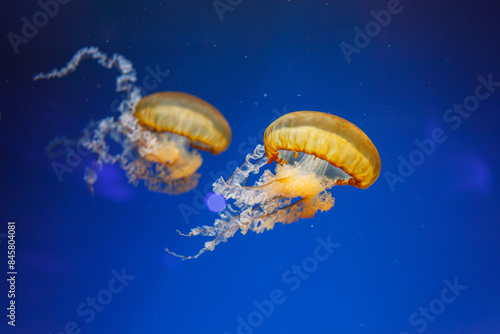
(417, 252)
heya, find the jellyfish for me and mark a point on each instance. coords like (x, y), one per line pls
(159, 134)
(314, 151)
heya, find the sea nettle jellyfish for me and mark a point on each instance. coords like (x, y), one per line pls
(159, 134)
(314, 151)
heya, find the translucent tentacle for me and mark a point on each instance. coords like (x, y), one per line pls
(124, 66)
(268, 202)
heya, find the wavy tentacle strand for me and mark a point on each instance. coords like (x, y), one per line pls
(269, 201)
(125, 67)
(157, 177)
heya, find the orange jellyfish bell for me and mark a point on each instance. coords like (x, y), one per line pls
(328, 137)
(171, 123)
(185, 115)
(315, 151)
(176, 121)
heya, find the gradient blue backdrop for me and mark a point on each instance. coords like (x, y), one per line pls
(396, 247)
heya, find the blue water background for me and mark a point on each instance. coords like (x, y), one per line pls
(398, 245)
